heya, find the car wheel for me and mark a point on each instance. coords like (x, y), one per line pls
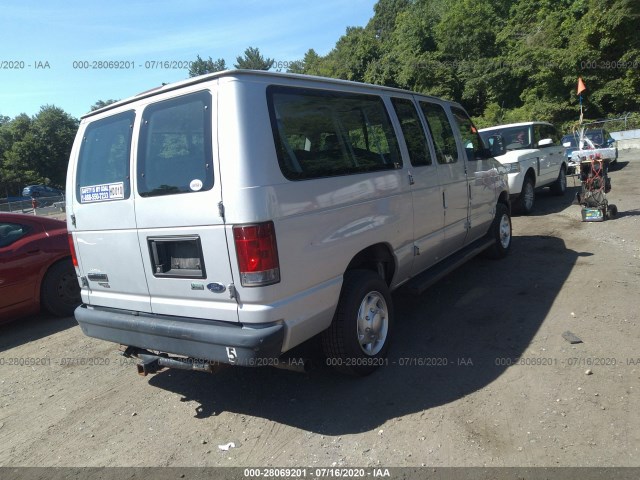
(559, 187)
(358, 339)
(527, 196)
(500, 231)
(60, 292)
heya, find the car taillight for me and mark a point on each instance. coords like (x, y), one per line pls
(257, 254)
(74, 259)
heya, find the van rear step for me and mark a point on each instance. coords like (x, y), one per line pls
(418, 284)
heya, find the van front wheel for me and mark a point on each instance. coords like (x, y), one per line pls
(358, 339)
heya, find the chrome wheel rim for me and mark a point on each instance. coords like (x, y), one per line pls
(529, 195)
(373, 323)
(505, 231)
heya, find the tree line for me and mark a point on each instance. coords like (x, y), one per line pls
(504, 60)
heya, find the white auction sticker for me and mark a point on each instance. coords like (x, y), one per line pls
(102, 193)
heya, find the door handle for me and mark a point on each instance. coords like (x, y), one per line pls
(444, 201)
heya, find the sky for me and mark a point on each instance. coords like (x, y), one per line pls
(50, 51)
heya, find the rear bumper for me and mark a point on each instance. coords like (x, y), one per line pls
(215, 341)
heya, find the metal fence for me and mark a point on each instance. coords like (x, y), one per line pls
(629, 121)
(43, 205)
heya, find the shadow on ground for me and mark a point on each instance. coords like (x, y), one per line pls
(34, 327)
(482, 313)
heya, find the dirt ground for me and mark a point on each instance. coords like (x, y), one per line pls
(479, 373)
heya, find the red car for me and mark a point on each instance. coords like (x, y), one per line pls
(36, 269)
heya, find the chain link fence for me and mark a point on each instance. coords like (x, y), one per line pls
(43, 205)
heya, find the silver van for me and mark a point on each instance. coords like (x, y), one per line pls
(230, 217)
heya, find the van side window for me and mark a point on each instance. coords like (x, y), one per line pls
(471, 141)
(103, 163)
(413, 132)
(174, 154)
(441, 132)
(324, 133)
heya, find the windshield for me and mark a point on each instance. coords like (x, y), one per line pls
(515, 138)
(596, 136)
(571, 140)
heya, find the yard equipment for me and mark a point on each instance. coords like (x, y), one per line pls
(594, 176)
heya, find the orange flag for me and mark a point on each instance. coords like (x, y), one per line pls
(581, 86)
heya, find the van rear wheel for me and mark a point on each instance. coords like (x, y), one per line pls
(358, 339)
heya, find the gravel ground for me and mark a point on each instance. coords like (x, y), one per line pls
(479, 373)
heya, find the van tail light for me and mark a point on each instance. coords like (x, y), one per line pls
(72, 248)
(257, 253)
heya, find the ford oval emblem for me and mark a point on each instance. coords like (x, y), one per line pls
(216, 287)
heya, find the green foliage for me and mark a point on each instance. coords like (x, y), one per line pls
(102, 103)
(253, 60)
(35, 149)
(202, 67)
(503, 60)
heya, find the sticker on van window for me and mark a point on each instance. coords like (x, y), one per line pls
(102, 193)
(195, 185)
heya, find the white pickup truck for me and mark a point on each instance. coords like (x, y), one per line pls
(534, 158)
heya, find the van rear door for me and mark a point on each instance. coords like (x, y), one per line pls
(181, 231)
(102, 214)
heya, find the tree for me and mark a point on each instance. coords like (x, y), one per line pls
(351, 57)
(502, 59)
(54, 131)
(253, 60)
(102, 103)
(36, 149)
(18, 150)
(384, 19)
(202, 67)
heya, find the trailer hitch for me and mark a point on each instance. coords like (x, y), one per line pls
(152, 362)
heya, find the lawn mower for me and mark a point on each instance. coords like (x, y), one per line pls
(594, 176)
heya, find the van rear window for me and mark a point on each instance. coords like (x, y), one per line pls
(175, 152)
(103, 165)
(325, 133)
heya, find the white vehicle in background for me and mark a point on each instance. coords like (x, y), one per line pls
(534, 159)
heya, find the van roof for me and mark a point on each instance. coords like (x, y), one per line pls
(508, 125)
(235, 73)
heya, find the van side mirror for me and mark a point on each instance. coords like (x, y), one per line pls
(496, 146)
(545, 142)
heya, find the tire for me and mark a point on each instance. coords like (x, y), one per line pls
(559, 187)
(527, 197)
(612, 211)
(500, 231)
(344, 343)
(60, 291)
